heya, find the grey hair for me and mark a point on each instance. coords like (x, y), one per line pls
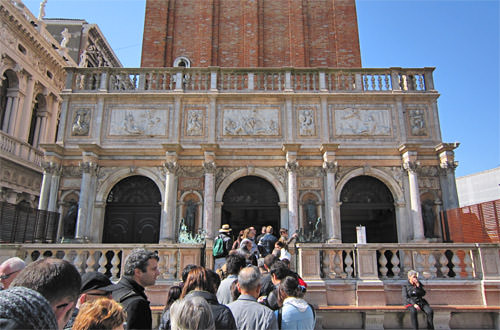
(138, 258)
(193, 313)
(249, 278)
(412, 272)
(15, 264)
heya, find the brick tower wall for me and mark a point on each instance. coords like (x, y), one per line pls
(251, 33)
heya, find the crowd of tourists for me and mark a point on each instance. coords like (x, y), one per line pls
(251, 287)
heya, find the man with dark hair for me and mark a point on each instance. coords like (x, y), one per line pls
(94, 286)
(279, 270)
(247, 312)
(185, 273)
(267, 241)
(234, 263)
(55, 279)
(267, 283)
(140, 271)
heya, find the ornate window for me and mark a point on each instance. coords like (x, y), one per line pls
(182, 62)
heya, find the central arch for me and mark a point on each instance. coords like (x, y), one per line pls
(133, 212)
(368, 202)
(250, 201)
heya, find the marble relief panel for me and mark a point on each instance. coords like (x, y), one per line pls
(257, 121)
(138, 122)
(417, 121)
(80, 117)
(362, 121)
(307, 120)
(194, 120)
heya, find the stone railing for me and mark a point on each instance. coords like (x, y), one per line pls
(20, 150)
(107, 258)
(248, 80)
(393, 261)
(315, 261)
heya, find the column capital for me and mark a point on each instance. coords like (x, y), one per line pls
(411, 166)
(330, 167)
(88, 167)
(171, 167)
(209, 167)
(292, 166)
(51, 167)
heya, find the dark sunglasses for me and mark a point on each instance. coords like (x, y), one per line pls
(6, 276)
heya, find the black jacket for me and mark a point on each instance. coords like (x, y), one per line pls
(414, 294)
(223, 317)
(135, 302)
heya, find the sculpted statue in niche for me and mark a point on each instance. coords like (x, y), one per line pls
(362, 122)
(69, 221)
(194, 125)
(311, 215)
(306, 122)
(429, 217)
(417, 123)
(190, 216)
(81, 123)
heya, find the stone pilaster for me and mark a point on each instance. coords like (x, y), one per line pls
(54, 188)
(167, 225)
(291, 167)
(209, 168)
(43, 202)
(410, 164)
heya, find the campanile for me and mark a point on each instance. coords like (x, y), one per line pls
(251, 33)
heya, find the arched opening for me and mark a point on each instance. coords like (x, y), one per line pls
(3, 99)
(368, 202)
(250, 201)
(133, 212)
(8, 91)
(34, 133)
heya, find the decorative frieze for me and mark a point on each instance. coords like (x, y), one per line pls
(149, 122)
(256, 121)
(364, 122)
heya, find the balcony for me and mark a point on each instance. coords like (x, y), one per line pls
(249, 80)
(19, 151)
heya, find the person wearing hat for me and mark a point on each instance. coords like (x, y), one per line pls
(95, 285)
(227, 244)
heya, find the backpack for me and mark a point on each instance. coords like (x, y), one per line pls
(218, 249)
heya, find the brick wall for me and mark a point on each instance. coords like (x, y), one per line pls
(251, 33)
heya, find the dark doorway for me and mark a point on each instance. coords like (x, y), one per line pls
(251, 201)
(133, 212)
(367, 201)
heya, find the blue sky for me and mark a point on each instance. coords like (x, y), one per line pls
(459, 38)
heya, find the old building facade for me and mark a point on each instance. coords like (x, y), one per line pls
(283, 130)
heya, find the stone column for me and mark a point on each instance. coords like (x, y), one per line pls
(293, 206)
(54, 188)
(410, 164)
(448, 165)
(13, 115)
(209, 168)
(8, 113)
(88, 169)
(332, 217)
(46, 183)
(167, 223)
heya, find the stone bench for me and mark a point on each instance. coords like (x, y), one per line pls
(397, 317)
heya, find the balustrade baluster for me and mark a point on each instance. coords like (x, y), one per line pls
(115, 262)
(468, 264)
(383, 262)
(348, 264)
(443, 261)
(420, 82)
(455, 260)
(308, 81)
(373, 84)
(419, 262)
(90, 262)
(337, 264)
(395, 263)
(325, 266)
(161, 264)
(79, 260)
(432, 265)
(379, 83)
(172, 264)
(103, 261)
(387, 80)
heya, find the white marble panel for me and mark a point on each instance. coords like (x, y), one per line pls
(138, 122)
(251, 122)
(352, 121)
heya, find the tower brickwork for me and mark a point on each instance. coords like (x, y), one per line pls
(251, 33)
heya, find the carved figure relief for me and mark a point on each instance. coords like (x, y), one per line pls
(256, 122)
(194, 122)
(429, 217)
(81, 123)
(138, 122)
(307, 122)
(362, 122)
(418, 126)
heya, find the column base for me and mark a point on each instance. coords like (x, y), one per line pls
(334, 241)
(78, 240)
(167, 241)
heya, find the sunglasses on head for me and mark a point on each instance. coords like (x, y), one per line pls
(6, 276)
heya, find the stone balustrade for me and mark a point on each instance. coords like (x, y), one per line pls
(315, 261)
(250, 80)
(20, 150)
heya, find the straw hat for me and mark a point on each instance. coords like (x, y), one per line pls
(225, 229)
